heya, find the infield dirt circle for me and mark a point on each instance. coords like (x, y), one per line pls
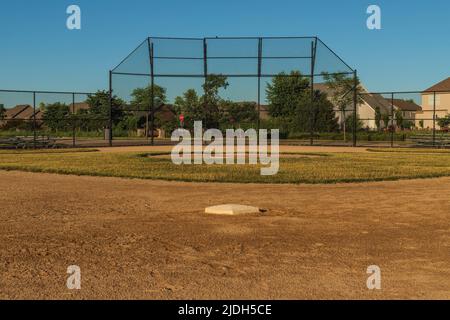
(151, 239)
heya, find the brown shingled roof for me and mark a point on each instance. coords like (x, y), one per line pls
(444, 85)
(22, 112)
(78, 106)
(15, 112)
(406, 105)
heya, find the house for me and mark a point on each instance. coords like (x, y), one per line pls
(366, 108)
(435, 98)
(79, 107)
(263, 111)
(19, 116)
(408, 108)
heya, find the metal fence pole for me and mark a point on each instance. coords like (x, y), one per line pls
(205, 78)
(73, 120)
(152, 104)
(110, 134)
(434, 118)
(258, 125)
(392, 128)
(147, 114)
(34, 120)
(311, 114)
(355, 107)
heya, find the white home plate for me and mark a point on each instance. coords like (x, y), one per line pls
(231, 209)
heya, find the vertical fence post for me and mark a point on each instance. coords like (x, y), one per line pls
(205, 75)
(311, 114)
(355, 107)
(258, 125)
(152, 103)
(110, 134)
(392, 128)
(73, 120)
(434, 118)
(34, 120)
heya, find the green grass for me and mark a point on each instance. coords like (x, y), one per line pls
(329, 168)
(410, 150)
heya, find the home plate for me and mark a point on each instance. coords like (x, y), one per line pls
(232, 209)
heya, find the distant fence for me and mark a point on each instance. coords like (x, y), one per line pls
(48, 119)
(409, 118)
(44, 119)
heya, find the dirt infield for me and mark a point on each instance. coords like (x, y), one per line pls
(151, 239)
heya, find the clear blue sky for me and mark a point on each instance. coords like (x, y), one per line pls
(411, 52)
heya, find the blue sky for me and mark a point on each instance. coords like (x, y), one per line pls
(411, 52)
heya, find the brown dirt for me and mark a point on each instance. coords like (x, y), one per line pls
(151, 239)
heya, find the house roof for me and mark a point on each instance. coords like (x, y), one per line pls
(22, 112)
(323, 88)
(406, 105)
(77, 106)
(374, 100)
(16, 111)
(166, 112)
(444, 85)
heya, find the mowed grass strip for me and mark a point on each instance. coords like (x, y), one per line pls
(332, 168)
(44, 151)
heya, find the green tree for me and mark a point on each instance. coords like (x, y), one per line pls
(189, 106)
(2, 111)
(444, 122)
(289, 98)
(342, 90)
(99, 108)
(324, 115)
(211, 101)
(142, 100)
(378, 118)
(386, 119)
(56, 116)
(142, 97)
(238, 112)
(399, 120)
(206, 108)
(350, 123)
(285, 93)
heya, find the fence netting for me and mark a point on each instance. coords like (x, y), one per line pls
(295, 84)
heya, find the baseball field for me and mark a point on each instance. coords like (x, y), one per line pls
(135, 224)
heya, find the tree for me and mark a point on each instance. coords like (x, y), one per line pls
(285, 93)
(142, 100)
(206, 108)
(350, 122)
(399, 120)
(421, 124)
(99, 107)
(378, 118)
(238, 112)
(211, 100)
(444, 122)
(289, 99)
(142, 97)
(189, 106)
(386, 119)
(56, 116)
(324, 115)
(342, 94)
(2, 111)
